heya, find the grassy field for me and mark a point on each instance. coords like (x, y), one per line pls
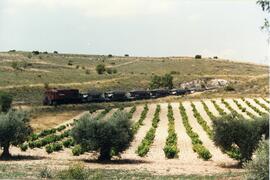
(26, 83)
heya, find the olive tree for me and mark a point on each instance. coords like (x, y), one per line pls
(14, 130)
(109, 137)
(5, 101)
(244, 134)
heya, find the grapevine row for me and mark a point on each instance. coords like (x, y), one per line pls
(201, 121)
(197, 145)
(262, 105)
(228, 106)
(244, 110)
(218, 108)
(266, 100)
(170, 149)
(254, 108)
(209, 113)
(144, 147)
(137, 124)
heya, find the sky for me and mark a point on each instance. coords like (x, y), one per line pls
(228, 29)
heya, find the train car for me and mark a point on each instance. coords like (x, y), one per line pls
(93, 96)
(178, 92)
(156, 93)
(115, 96)
(61, 96)
(138, 94)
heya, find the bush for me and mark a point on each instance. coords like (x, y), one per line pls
(229, 88)
(74, 172)
(45, 173)
(87, 71)
(100, 68)
(126, 55)
(5, 101)
(69, 142)
(70, 63)
(258, 167)
(55, 52)
(110, 55)
(57, 146)
(77, 150)
(49, 148)
(93, 134)
(114, 71)
(35, 52)
(60, 128)
(109, 70)
(14, 130)
(23, 147)
(198, 56)
(232, 131)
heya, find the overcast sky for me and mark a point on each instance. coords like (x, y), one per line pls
(224, 28)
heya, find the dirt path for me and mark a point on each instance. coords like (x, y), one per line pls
(211, 107)
(137, 114)
(92, 83)
(147, 123)
(222, 106)
(252, 102)
(218, 156)
(156, 149)
(202, 112)
(110, 113)
(263, 102)
(186, 153)
(235, 107)
(249, 109)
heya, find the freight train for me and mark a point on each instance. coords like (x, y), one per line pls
(74, 96)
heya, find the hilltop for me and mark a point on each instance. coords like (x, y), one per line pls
(24, 74)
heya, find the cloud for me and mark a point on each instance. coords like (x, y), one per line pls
(96, 8)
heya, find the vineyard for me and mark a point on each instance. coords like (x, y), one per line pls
(166, 135)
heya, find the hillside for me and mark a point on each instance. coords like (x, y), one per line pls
(24, 74)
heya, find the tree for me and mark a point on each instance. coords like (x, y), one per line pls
(265, 5)
(100, 68)
(14, 130)
(155, 82)
(167, 81)
(232, 131)
(109, 137)
(258, 168)
(5, 101)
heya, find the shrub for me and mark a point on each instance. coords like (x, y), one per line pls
(87, 71)
(110, 55)
(100, 68)
(45, 173)
(93, 134)
(15, 65)
(14, 130)
(35, 52)
(49, 148)
(77, 150)
(109, 70)
(198, 56)
(229, 88)
(23, 147)
(55, 52)
(5, 101)
(70, 63)
(67, 143)
(232, 131)
(258, 167)
(57, 146)
(60, 128)
(114, 71)
(74, 172)
(126, 55)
